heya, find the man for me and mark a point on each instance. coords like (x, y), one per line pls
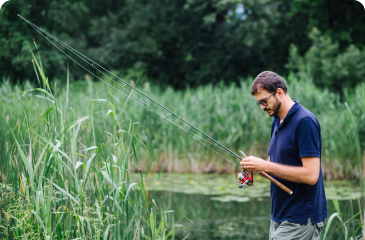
(294, 160)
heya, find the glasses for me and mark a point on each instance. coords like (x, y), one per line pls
(263, 102)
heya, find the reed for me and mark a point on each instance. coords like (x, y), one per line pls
(353, 227)
(227, 113)
(59, 180)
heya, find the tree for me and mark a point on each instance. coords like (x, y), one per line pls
(329, 67)
(16, 35)
(176, 42)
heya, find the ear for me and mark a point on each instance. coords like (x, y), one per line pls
(280, 92)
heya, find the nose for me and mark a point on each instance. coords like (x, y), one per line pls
(262, 107)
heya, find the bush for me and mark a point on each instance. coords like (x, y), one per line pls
(328, 66)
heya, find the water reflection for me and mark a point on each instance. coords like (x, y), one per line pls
(216, 220)
(231, 220)
(220, 210)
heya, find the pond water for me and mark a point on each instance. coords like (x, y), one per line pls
(212, 206)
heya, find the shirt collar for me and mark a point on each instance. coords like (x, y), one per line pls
(291, 112)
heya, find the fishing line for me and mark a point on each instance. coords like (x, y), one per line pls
(130, 93)
(142, 104)
(38, 29)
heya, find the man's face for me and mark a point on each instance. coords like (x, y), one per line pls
(268, 102)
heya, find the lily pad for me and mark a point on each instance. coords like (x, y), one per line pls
(230, 198)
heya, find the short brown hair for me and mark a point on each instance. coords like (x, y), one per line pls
(268, 81)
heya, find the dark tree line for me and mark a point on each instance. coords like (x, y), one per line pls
(189, 42)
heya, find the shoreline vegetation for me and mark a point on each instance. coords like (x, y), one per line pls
(68, 150)
(56, 183)
(226, 113)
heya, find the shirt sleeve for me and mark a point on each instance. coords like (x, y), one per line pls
(309, 138)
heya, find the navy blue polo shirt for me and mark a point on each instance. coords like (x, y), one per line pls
(299, 135)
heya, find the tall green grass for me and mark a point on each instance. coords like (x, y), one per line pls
(60, 179)
(227, 113)
(354, 226)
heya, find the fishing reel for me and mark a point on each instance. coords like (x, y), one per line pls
(243, 178)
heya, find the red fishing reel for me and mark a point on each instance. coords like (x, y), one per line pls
(243, 178)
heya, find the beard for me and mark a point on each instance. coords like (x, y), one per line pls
(273, 111)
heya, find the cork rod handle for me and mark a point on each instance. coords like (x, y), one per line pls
(276, 182)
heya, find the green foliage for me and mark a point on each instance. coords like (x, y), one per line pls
(340, 20)
(226, 113)
(54, 16)
(15, 208)
(57, 182)
(179, 43)
(329, 67)
(189, 43)
(69, 151)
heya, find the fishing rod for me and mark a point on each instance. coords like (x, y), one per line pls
(242, 176)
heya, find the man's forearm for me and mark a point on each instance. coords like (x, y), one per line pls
(292, 173)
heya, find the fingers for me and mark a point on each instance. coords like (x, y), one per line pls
(242, 164)
(245, 163)
(249, 164)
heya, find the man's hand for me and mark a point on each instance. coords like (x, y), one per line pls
(252, 163)
(307, 173)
